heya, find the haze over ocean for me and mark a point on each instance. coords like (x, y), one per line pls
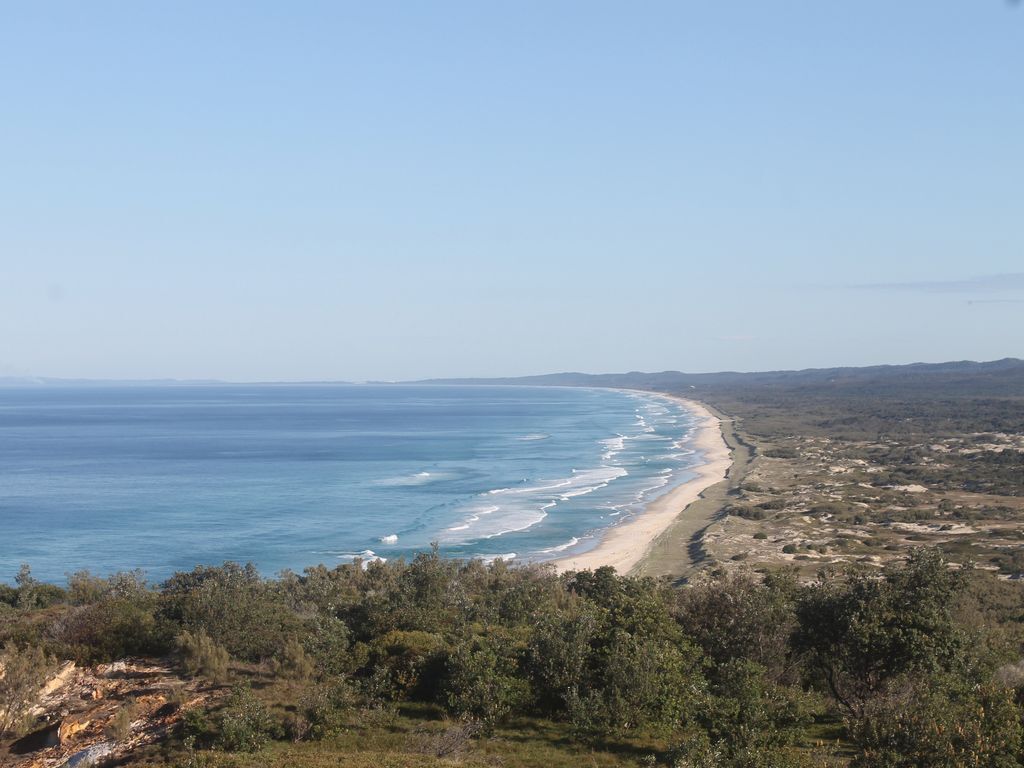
(167, 477)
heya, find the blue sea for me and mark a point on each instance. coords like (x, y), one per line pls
(167, 477)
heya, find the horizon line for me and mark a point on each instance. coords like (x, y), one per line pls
(43, 380)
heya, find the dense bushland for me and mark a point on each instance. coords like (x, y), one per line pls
(919, 665)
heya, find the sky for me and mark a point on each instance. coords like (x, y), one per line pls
(352, 191)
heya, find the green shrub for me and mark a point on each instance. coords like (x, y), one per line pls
(482, 679)
(113, 618)
(24, 673)
(31, 594)
(746, 512)
(558, 655)
(293, 662)
(234, 606)
(941, 723)
(84, 588)
(245, 723)
(201, 656)
(639, 670)
(322, 712)
(738, 616)
(8, 596)
(197, 728)
(750, 714)
(640, 683)
(328, 641)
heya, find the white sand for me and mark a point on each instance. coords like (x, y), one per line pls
(625, 545)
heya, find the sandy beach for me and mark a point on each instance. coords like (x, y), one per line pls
(624, 546)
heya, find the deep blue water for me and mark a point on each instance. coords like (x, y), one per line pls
(164, 478)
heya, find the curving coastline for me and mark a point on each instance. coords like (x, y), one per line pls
(625, 545)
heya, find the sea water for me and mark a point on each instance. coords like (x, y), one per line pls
(163, 478)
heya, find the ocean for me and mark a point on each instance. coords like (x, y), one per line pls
(163, 478)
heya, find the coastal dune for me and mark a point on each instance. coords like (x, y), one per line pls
(625, 545)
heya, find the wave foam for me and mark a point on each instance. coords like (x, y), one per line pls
(419, 478)
(561, 547)
(510, 510)
(508, 558)
(613, 447)
(367, 556)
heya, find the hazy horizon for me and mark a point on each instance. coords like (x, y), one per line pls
(370, 381)
(396, 192)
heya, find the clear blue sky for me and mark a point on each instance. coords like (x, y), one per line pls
(303, 190)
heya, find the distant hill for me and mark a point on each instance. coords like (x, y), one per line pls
(998, 378)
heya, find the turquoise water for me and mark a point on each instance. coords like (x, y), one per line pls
(164, 478)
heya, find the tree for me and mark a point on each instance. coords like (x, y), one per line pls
(638, 669)
(32, 593)
(750, 719)
(559, 653)
(483, 680)
(738, 616)
(862, 632)
(636, 682)
(27, 586)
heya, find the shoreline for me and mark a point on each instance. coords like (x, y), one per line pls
(624, 546)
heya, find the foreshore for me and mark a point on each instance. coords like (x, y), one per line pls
(625, 545)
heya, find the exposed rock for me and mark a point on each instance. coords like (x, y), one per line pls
(79, 705)
(60, 678)
(89, 756)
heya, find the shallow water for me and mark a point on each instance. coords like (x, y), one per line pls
(164, 478)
